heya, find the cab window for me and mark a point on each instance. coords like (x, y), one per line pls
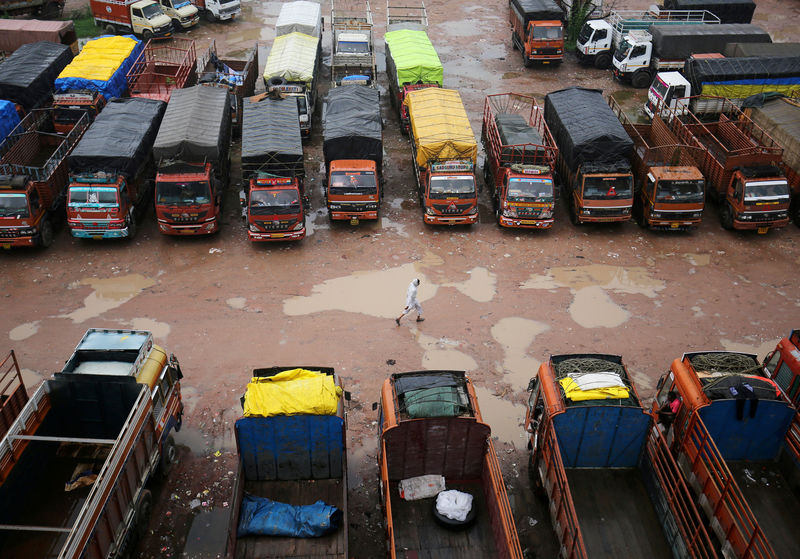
(600, 34)
(136, 12)
(638, 51)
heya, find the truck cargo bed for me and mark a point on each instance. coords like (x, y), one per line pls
(303, 492)
(615, 513)
(418, 536)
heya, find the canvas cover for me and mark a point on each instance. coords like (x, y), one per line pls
(196, 125)
(738, 78)
(17, 32)
(780, 118)
(411, 58)
(304, 17)
(120, 138)
(440, 126)
(271, 139)
(585, 128)
(680, 41)
(292, 392)
(260, 516)
(9, 118)
(728, 11)
(351, 124)
(102, 66)
(293, 57)
(514, 130)
(531, 10)
(26, 77)
(737, 50)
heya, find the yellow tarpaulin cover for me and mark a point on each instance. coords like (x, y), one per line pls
(572, 392)
(293, 57)
(440, 126)
(293, 392)
(100, 58)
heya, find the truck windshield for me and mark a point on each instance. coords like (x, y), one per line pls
(353, 183)
(93, 196)
(585, 34)
(189, 193)
(353, 47)
(549, 32)
(660, 87)
(282, 201)
(227, 1)
(680, 192)
(14, 205)
(67, 116)
(530, 190)
(455, 186)
(622, 51)
(152, 11)
(607, 188)
(766, 190)
(301, 105)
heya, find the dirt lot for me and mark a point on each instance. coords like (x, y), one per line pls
(497, 302)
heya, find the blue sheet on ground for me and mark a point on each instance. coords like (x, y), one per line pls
(263, 517)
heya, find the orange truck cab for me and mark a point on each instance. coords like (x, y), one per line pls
(520, 161)
(273, 198)
(68, 108)
(537, 31)
(353, 149)
(783, 366)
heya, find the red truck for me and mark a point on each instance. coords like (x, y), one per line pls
(783, 366)
(13, 395)
(537, 31)
(144, 18)
(520, 161)
(162, 67)
(33, 179)
(741, 164)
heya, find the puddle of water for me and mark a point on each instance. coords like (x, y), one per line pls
(632, 280)
(376, 293)
(593, 308)
(431, 259)
(109, 293)
(198, 442)
(160, 330)
(504, 417)
(396, 203)
(760, 350)
(30, 378)
(208, 534)
(480, 286)
(24, 331)
(237, 303)
(440, 354)
(698, 259)
(516, 335)
(399, 228)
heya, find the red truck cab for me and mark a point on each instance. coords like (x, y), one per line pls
(353, 190)
(100, 207)
(68, 108)
(449, 194)
(188, 199)
(783, 366)
(275, 209)
(537, 31)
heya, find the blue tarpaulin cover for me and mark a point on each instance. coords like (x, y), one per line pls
(117, 84)
(8, 118)
(263, 517)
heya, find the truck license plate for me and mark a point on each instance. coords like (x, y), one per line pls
(6, 245)
(674, 225)
(97, 237)
(353, 221)
(527, 222)
(762, 230)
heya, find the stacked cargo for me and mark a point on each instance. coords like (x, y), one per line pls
(26, 77)
(102, 66)
(672, 42)
(739, 78)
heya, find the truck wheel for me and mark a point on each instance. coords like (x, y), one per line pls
(110, 29)
(527, 62)
(169, 457)
(573, 212)
(143, 510)
(132, 228)
(726, 216)
(602, 61)
(147, 34)
(513, 41)
(638, 212)
(46, 234)
(210, 18)
(641, 79)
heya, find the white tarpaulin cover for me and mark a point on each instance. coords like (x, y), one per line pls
(293, 57)
(301, 16)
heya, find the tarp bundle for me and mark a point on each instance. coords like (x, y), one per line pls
(196, 125)
(297, 391)
(102, 66)
(514, 130)
(728, 11)
(585, 128)
(440, 126)
(271, 139)
(738, 50)
(9, 118)
(26, 77)
(260, 516)
(17, 32)
(411, 58)
(293, 57)
(780, 118)
(679, 41)
(738, 78)
(120, 138)
(351, 124)
(593, 386)
(537, 10)
(301, 16)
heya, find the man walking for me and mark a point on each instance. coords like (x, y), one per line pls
(411, 302)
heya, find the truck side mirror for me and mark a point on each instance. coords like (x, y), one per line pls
(374, 406)
(243, 198)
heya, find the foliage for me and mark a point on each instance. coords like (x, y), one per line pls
(84, 23)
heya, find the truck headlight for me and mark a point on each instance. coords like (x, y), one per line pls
(253, 228)
(745, 217)
(297, 226)
(510, 212)
(429, 211)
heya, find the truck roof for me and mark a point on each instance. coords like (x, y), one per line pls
(531, 10)
(271, 139)
(351, 124)
(27, 76)
(110, 352)
(302, 16)
(440, 125)
(411, 58)
(293, 57)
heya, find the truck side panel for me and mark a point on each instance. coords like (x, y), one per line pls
(13, 395)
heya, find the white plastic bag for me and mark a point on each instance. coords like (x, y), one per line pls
(453, 504)
(420, 487)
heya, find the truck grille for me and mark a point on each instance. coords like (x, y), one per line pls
(358, 207)
(180, 218)
(767, 216)
(529, 212)
(281, 225)
(606, 212)
(548, 51)
(452, 209)
(226, 11)
(10, 233)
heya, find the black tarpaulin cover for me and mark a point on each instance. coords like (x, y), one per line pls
(196, 126)
(28, 75)
(680, 41)
(707, 70)
(271, 140)
(585, 128)
(514, 130)
(538, 10)
(351, 124)
(120, 138)
(728, 11)
(734, 50)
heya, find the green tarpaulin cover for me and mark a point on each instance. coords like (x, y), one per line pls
(441, 401)
(413, 57)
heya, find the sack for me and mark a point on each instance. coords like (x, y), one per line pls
(420, 487)
(453, 504)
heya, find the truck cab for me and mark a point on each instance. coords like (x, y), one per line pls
(632, 58)
(100, 206)
(600, 194)
(183, 13)
(783, 366)
(525, 196)
(354, 190)
(448, 192)
(669, 94)
(594, 43)
(219, 10)
(757, 198)
(24, 217)
(670, 198)
(274, 208)
(545, 41)
(188, 199)
(144, 18)
(69, 107)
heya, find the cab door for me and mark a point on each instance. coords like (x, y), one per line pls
(138, 21)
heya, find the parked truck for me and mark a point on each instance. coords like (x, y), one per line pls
(520, 161)
(445, 154)
(111, 170)
(735, 437)
(236, 75)
(76, 464)
(46, 9)
(13, 395)
(352, 51)
(301, 16)
(411, 59)
(741, 164)
(668, 190)
(728, 11)
(192, 155)
(273, 196)
(33, 179)
(352, 132)
(184, 14)
(600, 39)
(430, 424)
(593, 155)
(144, 18)
(613, 488)
(643, 54)
(26, 77)
(219, 10)
(163, 67)
(783, 366)
(537, 31)
(291, 458)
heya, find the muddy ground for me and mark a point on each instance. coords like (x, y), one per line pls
(497, 301)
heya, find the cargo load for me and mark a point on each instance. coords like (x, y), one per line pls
(294, 58)
(26, 77)
(738, 78)
(9, 118)
(680, 41)
(303, 17)
(352, 126)
(515, 131)
(17, 32)
(440, 126)
(270, 141)
(532, 10)
(780, 118)
(411, 58)
(119, 139)
(292, 392)
(102, 66)
(738, 50)
(728, 11)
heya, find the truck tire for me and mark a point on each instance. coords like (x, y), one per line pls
(147, 34)
(602, 61)
(638, 212)
(210, 17)
(46, 234)
(132, 227)
(275, 81)
(641, 79)
(176, 25)
(527, 62)
(726, 216)
(169, 457)
(573, 212)
(513, 41)
(110, 29)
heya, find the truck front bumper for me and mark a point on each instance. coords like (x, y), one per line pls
(191, 23)
(14, 242)
(760, 226)
(668, 225)
(353, 217)
(259, 236)
(99, 233)
(525, 223)
(185, 230)
(455, 220)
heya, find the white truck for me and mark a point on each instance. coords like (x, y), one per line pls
(352, 52)
(219, 10)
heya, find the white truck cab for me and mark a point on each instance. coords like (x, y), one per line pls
(219, 10)
(594, 42)
(183, 13)
(633, 57)
(148, 19)
(669, 91)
